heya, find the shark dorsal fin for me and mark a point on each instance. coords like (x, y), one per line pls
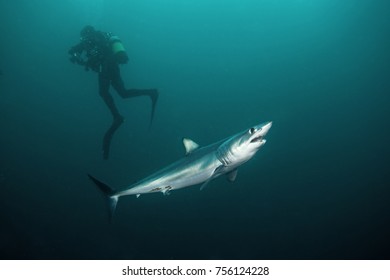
(189, 145)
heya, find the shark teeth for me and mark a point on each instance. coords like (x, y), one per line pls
(257, 139)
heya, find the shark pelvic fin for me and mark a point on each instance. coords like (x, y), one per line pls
(189, 145)
(166, 190)
(232, 175)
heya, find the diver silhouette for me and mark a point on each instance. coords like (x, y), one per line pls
(102, 52)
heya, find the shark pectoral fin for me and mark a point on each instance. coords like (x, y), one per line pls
(189, 145)
(205, 184)
(231, 176)
(215, 173)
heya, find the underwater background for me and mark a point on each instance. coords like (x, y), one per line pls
(319, 188)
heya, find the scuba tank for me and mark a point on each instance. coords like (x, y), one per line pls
(118, 50)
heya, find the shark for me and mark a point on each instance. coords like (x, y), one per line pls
(200, 165)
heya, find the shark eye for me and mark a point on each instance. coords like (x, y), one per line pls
(252, 130)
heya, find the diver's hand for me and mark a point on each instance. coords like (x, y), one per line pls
(72, 50)
(75, 58)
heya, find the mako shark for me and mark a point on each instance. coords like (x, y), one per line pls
(200, 165)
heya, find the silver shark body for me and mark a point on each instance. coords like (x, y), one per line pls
(200, 165)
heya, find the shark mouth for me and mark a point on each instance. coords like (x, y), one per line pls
(257, 139)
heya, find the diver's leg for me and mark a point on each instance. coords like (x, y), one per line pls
(104, 85)
(108, 137)
(118, 85)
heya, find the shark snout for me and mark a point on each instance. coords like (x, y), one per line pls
(258, 132)
(266, 127)
(263, 129)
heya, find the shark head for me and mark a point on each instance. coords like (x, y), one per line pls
(243, 146)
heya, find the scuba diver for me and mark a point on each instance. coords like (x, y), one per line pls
(102, 52)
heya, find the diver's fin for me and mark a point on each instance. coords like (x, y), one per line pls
(154, 97)
(152, 93)
(109, 194)
(232, 175)
(189, 145)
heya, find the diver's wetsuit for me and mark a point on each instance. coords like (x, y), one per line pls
(98, 57)
(110, 75)
(94, 52)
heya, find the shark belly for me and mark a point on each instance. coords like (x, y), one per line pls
(200, 165)
(183, 173)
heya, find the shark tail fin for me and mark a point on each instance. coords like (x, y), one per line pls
(109, 194)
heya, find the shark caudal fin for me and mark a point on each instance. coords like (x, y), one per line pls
(109, 194)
